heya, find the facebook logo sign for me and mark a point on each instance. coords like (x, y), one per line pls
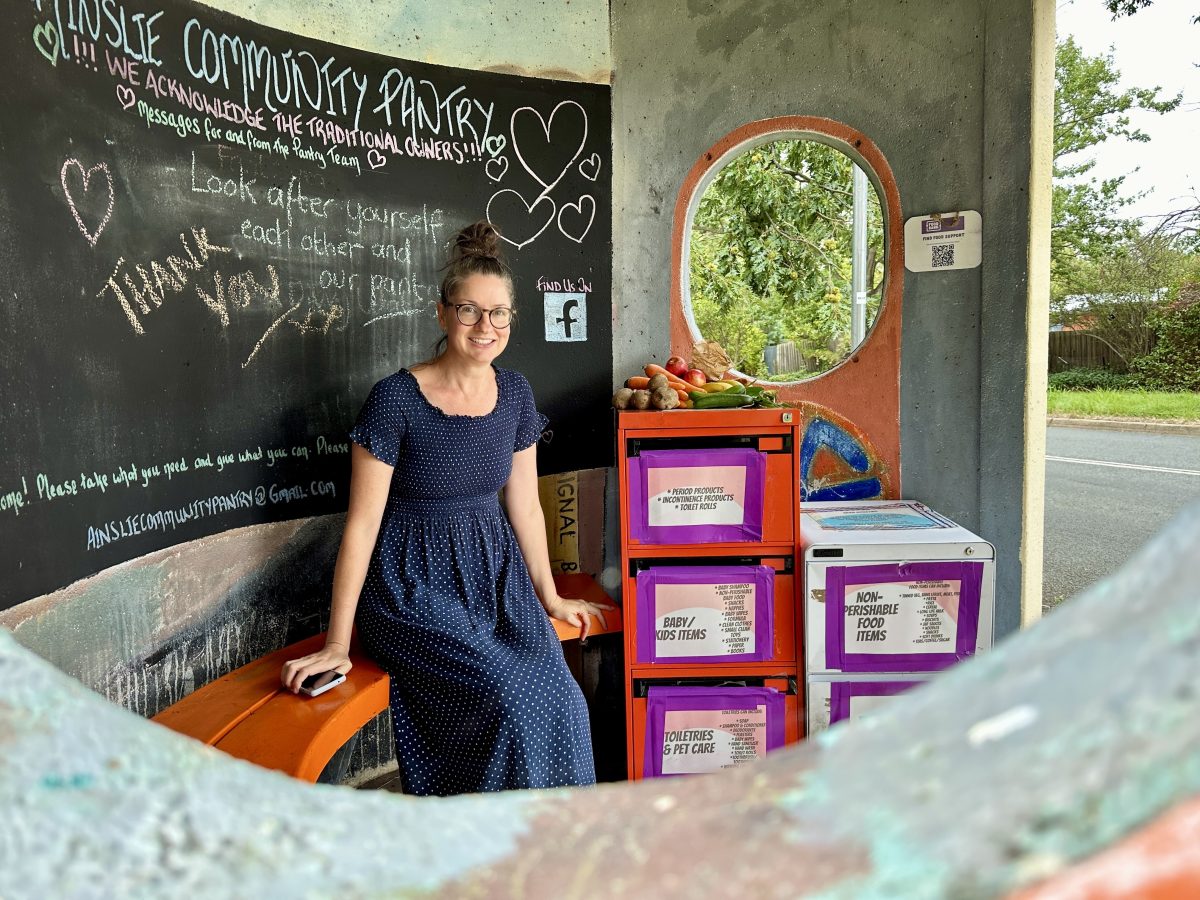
(566, 317)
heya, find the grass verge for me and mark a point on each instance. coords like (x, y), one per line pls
(1171, 407)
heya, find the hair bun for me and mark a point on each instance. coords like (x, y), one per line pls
(480, 240)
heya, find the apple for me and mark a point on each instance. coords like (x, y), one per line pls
(695, 377)
(676, 366)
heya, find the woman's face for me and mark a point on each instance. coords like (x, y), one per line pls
(477, 295)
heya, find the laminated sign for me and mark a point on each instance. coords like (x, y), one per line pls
(696, 496)
(704, 614)
(692, 730)
(908, 617)
(854, 699)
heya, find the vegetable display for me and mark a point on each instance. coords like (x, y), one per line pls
(680, 385)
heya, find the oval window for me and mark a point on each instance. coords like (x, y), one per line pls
(776, 272)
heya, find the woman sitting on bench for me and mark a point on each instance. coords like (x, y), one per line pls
(444, 589)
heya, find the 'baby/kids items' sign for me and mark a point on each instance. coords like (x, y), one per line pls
(696, 496)
(693, 730)
(908, 617)
(704, 614)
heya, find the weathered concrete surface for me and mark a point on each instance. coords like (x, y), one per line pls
(542, 38)
(1004, 771)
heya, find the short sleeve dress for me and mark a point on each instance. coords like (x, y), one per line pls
(481, 697)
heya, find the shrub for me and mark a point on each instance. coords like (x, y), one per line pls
(1174, 363)
(1090, 380)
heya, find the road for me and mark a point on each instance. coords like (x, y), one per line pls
(1107, 493)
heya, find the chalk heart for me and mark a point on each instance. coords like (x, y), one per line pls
(518, 222)
(83, 197)
(548, 147)
(496, 168)
(575, 219)
(126, 97)
(375, 159)
(48, 42)
(590, 167)
(494, 145)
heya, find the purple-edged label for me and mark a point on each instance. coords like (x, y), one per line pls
(907, 617)
(941, 226)
(693, 730)
(696, 496)
(848, 699)
(705, 614)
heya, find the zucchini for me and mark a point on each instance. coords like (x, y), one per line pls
(725, 400)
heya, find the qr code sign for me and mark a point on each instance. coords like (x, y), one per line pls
(943, 255)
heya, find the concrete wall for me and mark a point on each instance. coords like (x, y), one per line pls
(944, 91)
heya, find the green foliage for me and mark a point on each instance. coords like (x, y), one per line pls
(1125, 287)
(1089, 380)
(1089, 110)
(1174, 364)
(770, 254)
(1128, 7)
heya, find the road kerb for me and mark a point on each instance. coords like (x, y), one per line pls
(1125, 425)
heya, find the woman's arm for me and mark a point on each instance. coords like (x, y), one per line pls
(370, 480)
(529, 525)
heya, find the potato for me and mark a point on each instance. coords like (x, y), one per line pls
(657, 381)
(621, 398)
(640, 400)
(664, 398)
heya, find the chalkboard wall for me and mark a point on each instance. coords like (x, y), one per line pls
(215, 237)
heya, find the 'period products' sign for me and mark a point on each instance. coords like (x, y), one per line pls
(696, 496)
(712, 495)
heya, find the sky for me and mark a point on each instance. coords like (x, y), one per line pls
(1158, 46)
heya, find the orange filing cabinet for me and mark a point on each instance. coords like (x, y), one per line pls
(711, 587)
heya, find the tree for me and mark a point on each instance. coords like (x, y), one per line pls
(1174, 364)
(1128, 7)
(1089, 109)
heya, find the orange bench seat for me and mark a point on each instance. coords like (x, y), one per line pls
(248, 714)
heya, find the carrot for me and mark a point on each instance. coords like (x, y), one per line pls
(678, 383)
(684, 399)
(638, 382)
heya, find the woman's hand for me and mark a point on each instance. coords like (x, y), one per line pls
(578, 613)
(332, 657)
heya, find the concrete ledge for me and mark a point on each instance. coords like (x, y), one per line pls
(1125, 425)
(1017, 768)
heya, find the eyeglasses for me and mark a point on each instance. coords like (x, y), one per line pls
(470, 314)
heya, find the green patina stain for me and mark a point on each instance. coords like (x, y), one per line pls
(77, 782)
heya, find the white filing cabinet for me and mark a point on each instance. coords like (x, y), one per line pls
(893, 592)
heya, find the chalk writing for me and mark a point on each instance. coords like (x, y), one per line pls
(134, 34)
(149, 291)
(69, 168)
(48, 487)
(105, 533)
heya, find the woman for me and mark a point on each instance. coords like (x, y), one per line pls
(446, 587)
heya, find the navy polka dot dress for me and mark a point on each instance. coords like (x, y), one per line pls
(481, 697)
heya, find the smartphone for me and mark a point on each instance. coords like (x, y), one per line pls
(320, 683)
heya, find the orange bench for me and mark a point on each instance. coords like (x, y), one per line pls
(248, 714)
